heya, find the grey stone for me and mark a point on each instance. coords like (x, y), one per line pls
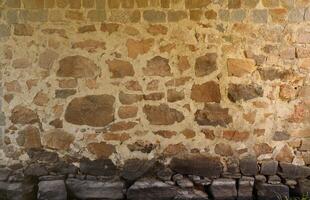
(291, 171)
(305, 145)
(274, 179)
(33, 15)
(154, 16)
(223, 189)
(85, 189)
(4, 30)
(248, 166)
(40, 155)
(2, 119)
(185, 183)
(272, 192)
(280, 136)
(303, 187)
(259, 16)
(237, 15)
(52, 190)
(102, 167)
(36, 170)
(245, 188)
(65, 93)
(270, 74)
(199, 165)
(12, 16)
(51, 177)
(307, 14)
(237, 92)
(269, 167)
(191, 195)
(224, 15)
(260, 179)
(177, 177)
(4, 174)
(296, 15)
(135, 169)
(164, 174)
(23, 190)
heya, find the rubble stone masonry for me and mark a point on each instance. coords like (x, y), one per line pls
(210, 88)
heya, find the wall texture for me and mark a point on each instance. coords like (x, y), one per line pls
(125, 79)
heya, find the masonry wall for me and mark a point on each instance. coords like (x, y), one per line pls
(123, 79)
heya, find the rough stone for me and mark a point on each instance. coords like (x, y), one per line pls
(29, 137)
(154, 16)
(245, 188)
(21, 63)
(77, 67)
(65, 93)
(262, 148)
(135, 169)
(47, 59)
(23, 115)
(303, 187)
(162, 114)
(206, 64)
(57, 139)
(224, 189)
(280, 136)
(236, 136)
(138, 47)
(157, 66)
(196, 3)
(175, 16)
(173, 95)
(198, 165)
(223, 149)
(244, 92)
(248, 166)
(206, 92)
(285, 154)
(89, 45)
(269, 167)
(259, 16)
(92, 110)
(270, 192)
(101, 167)
(55, 189)
(240, 67)
(120, 68)
(213, 115)
(293, 171)
(23, 30)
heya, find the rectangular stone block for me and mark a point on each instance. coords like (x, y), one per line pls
(34, 15)
(128, 3)
(114, 3)
(259, 16)
(33, 4)
(296, 15)
(154, 16)
(88, 3)
(196, 3)
(195, 15)
(12, 16)
(74, 4)
(97, 15)
(175, 16)
(142, 3)
(4, 30)
(13, 3)
(165, 3)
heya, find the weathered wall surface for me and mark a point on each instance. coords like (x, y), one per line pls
(125, 79)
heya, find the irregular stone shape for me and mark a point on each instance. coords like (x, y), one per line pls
(89, 45)
(197, 3)
(198, 165)
(4, 174)
(65, 93)
(206, 64)
(213, 115)
(244, 92)
(236, 136)
(125, 112)
(21, 63)
(141, 47)
(240, 67)
(262, 148)
(19, 190)
(206, 92)
(248, 166)
(120, 68)
(29, 137)
(23, 30)
(157, 66)
(35, 170)
(280, 136)
(269, 167)
(291, 171)
(303, 187)
(135, 169)
(88, 189)
(270, 74)
(162, 114)
(271, 192)
(57, 139)
(92, 110)
(101, 150)
(151, 189)
(245, 188)
(128, 99)
(77, 67)
(157, 29)
(23, 115)
(102, 167)
(47, 59)
(285, 154)
(223, 149)
(143, 146)
(41, 155)
(173, 95)
(274, 179)
(55, 189)
(224, 189)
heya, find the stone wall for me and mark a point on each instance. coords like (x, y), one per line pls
(124, 79)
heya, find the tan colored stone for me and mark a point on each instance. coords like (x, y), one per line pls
(162, 114)
(206, 64)
(183, 63)
(87, 28)
(125, 112)
(236, 136)
(23, 30)
(262, 148)
(233, 4)
(285, 154)
(259, 132)
(101, 150)
(109, 27)
(122, 137)
(197, 3)
(209, 134)
(89, 45)
(250, 117)
(288, 92)
(167, 48)
(240, 67)
(41, 99)
(165, 133)
(157, 66)
(128, 99)
(153, 85)
(23, 115)
(195, 15)
(74, 15)
(139, 47)
(57, 139)
(270, 3)
(157, 29)
(174, 149)
(29, 137)
(92, 110)
(278, 15)
(33, 4)
(206, 92)
(13, 86)
(120, 68)
(67, 83)
(188, 133)
(77, 67)
(223, 149)
(47, 59)
(21, 63)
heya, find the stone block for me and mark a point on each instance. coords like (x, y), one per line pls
(55, 189)
(269, 167)
(175, 16)
(154, 16)
(248, 166)
(96, 15)
(224, 189)
(4, 31)
(259, 16)
(272, 192)
(296, 15)
(245, 188)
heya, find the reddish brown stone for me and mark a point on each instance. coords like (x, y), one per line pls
(153, 85)
(209, 134)
(176, 82)
(236, 135)
(188, 133)
(128, 99)
(21, 63)
(211, 14)
(89, 45)
(29, 138)
(206, 92)
(206, 64)
(68, 83)
(141, 47)
(77, 67)
(57, 139)
(174, 149)
(23, 30)
(92, 110)
(213, 115)
(157, 66)
(87, 29)
(47, 59)
(173, 95)
(166, 134)
(122, 137)
(183, 63)
(223, 149)
(57, 123)
(285, 154)
(101, 150)
(23, 115)
(240, 67)
(262, 148)
(157, 29)
(109, 27)
(122, 126)
(120, 68)
(143, 146)
(133, 85)
(249, 117)
(125, 112)
(41, 99)
(156, 96)
(162, 114)
(167, 48)
(13, 86)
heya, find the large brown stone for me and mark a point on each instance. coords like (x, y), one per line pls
(47, 59)
(206, 64)
(29, 137)
(23, 115)
(240, 67)
(157, 66)
(77, 67)
(238, 92)
(136, 48)
(120, 68)
(213, 115)
(162, 114)
(285, 154)
(223, 149)
(92, 110)
(206, 92)
(57, 139)
(198, 165)
(101, 150)
(236, 136)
